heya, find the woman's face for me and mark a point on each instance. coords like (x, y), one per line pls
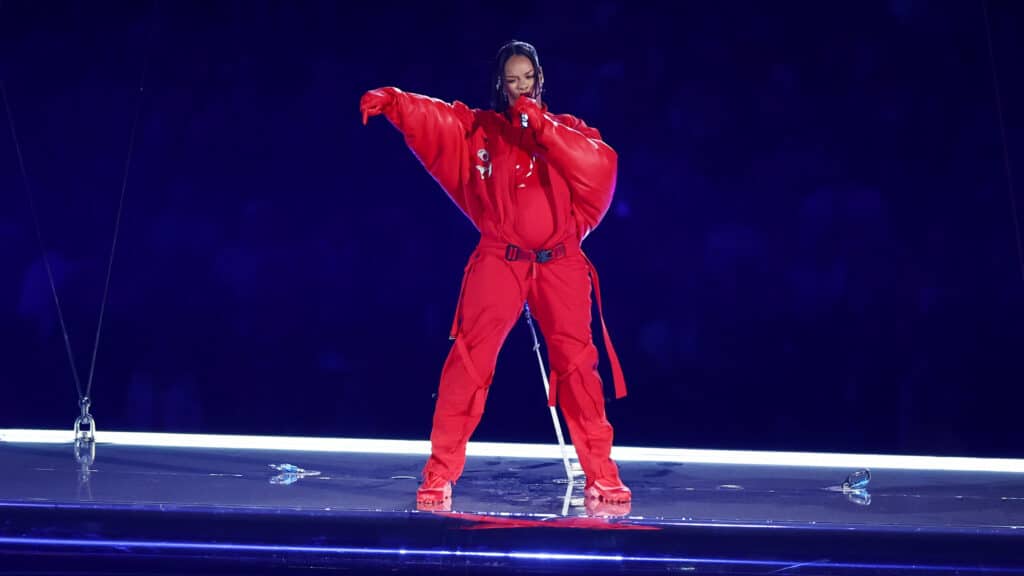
(521, 78)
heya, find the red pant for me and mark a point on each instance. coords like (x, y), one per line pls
(494, 290)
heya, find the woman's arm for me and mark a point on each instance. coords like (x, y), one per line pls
(437, 133)
(576, 150)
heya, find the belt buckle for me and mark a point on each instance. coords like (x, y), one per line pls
(544, 256)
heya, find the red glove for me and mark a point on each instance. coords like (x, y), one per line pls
(375, 102)
(529, 107)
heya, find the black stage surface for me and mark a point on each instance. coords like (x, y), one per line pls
(160, 503)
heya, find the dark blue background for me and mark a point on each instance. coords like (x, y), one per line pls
(812, 245)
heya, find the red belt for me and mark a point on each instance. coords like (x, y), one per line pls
(514, 253)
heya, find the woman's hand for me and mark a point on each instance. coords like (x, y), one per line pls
(529, 107)
(375, 102)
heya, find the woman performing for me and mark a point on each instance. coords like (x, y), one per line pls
(534, 184)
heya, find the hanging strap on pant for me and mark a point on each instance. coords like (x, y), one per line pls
(613, 357)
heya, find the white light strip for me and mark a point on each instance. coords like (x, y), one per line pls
(509, 450)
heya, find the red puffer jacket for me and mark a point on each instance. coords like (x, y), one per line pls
(471, 153)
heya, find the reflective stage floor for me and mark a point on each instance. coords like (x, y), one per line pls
(174, 504)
